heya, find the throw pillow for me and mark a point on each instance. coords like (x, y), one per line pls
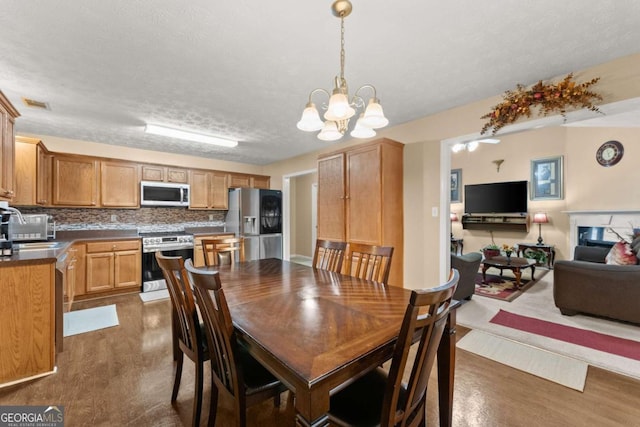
(621, 254)
(635, 245)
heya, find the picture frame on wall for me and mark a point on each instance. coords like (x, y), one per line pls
(456, 185)
(546, 179)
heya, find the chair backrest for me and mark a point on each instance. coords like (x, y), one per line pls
(189, 332)
(426, 316)
(221, 337)
(329, 255)
(369, 262)
(223, 251)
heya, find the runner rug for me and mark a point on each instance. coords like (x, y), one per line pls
(554, 367)
(504, 287)
(595, 340)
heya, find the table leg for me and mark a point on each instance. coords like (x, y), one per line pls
(518, 274)
(533, 271)
(484, 273)
(446, 370)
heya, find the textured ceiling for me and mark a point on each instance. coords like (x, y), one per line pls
(244, 69)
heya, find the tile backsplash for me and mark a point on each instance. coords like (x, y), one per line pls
(74, 219)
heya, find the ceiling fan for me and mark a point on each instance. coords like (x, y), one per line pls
(473, 145)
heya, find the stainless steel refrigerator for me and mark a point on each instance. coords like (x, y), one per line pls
(256, 215)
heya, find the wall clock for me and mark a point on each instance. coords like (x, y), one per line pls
(609, 153)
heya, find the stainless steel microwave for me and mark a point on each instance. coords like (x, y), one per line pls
(163, 194)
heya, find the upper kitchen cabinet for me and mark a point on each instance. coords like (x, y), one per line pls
(26, 154)
(119, 184)
(241, 180)
(75, 180)
(8, 115)
(32, 172)
(209, 190)
(164, 174)
(360, 198)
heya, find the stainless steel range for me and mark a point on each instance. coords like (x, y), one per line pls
(170, 243)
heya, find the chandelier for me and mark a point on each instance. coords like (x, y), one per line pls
(340, 109)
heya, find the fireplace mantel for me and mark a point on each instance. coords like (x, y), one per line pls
(620, 220)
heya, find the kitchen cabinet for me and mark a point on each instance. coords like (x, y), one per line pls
(164, 174)
(75, 180)
(8, 115)
(26, 154)
(44, 176)
(68, 272)
(241, 180)
(27, 335)
(119, 184)
(198, 253)
(209, 190)
(360, 198)
(113, 265)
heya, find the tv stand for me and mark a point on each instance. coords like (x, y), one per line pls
(496, 222)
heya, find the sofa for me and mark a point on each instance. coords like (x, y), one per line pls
(589, 285)
(468, 266)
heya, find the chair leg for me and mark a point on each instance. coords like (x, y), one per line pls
(276, 400)
(197, 398)
(176, 381)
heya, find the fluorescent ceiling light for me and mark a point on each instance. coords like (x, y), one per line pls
(189, 136)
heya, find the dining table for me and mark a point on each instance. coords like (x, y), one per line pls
(317, 330)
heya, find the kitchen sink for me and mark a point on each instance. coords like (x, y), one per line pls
(36, 246)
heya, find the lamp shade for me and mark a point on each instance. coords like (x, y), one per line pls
(362, 131)
(540, 218)
(339, 108)
(374, 116)
(453, 216)
(329, 132)
(310, 121)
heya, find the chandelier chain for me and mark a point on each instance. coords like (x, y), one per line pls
(342, 50)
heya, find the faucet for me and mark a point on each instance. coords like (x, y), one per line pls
(5, 206)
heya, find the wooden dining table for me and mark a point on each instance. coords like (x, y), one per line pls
(316, 330)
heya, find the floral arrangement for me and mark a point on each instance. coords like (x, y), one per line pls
(549, 97)
(508, 249)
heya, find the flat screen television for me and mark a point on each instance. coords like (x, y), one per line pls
(497, 197)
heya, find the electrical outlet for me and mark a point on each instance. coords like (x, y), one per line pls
(114, 218)
(434, 211)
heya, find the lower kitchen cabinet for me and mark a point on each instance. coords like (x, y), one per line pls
(113, 265)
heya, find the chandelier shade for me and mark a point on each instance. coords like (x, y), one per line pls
(340, 107)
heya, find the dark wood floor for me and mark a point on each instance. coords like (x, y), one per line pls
(123, 376)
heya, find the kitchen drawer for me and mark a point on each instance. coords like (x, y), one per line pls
(111, 246)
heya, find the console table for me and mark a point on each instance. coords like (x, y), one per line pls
(549, 251)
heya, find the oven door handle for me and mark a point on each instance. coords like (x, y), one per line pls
(165, 248)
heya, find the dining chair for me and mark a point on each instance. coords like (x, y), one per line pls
(223, 251)
(369, 262)
(187, 332)
(233, 370)
(379, 398)
(329, 255)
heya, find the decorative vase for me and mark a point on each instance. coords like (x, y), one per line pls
(508, 253)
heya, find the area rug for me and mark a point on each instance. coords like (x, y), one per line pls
(504, 287)
(154, 295)
(537, 302)
(560, 369)
(595, 340)
(88, 320)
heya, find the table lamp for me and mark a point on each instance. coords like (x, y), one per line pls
(454, 218)
(540, 218)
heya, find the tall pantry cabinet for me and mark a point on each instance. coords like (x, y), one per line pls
(360, 194)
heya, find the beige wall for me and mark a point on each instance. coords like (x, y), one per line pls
(87, 148)
(301, 232)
